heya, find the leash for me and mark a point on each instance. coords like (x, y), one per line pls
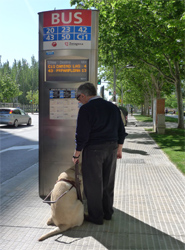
(72, 185)
(75, 184)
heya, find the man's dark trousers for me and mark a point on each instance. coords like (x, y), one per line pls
(98, 170)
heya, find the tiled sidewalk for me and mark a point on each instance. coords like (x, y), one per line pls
(149, 206)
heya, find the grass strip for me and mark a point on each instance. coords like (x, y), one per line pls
(173, 145)
(172, 142)
(144, 118)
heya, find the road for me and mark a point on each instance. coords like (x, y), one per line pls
(18, 148)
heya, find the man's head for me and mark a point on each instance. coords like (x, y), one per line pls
(85, 92)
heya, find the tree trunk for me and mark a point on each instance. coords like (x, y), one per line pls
(146, 105)
(157, 86)
(180, 105)
(142, 110)
(179, 98)
(152, 104)
(158, 94)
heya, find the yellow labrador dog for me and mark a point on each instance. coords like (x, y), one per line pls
(68, 211)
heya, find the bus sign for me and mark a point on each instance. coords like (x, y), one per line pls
(67, 29)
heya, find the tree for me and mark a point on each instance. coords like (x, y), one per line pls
(32, 97)
(9, 89)
(33, 81)
(25, 77)
(148, 32)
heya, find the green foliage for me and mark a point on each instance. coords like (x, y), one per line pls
(9, 89)
(171, 119)
(18, 80)
(32, 97)
(171, 101)
(144, 118)
(148, 34)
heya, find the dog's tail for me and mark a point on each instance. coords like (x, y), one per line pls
(57, 230)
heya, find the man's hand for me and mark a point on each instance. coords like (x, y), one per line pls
(76, 156)
(75, 161)
(119, 152)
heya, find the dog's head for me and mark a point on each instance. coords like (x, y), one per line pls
(69, 174)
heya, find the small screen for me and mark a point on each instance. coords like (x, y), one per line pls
(67, 70)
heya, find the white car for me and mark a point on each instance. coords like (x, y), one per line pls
(14, 117)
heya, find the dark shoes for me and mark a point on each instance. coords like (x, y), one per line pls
(87, 218)
(107, 217)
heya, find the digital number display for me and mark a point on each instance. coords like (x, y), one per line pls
(67, 70)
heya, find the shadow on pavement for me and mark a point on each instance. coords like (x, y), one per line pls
(124, 232)
(134, 151)
(139, 138)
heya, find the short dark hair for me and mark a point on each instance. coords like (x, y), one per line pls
(87, 89)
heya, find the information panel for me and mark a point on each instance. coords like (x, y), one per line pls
(63, 104)
(62, 93)
(67, 70)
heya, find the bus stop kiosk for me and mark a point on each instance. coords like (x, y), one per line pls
(68, 56)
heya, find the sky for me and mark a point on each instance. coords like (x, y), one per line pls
(19, 27)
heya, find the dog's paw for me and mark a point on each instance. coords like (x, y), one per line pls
(50, 222)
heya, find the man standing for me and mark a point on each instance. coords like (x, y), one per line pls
(100, 133)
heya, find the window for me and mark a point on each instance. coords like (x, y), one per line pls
(4, 111)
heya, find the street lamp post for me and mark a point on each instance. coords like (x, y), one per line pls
(115, 77)
(122, 93)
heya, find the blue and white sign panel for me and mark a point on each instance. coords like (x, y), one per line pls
(67, 29)
(62, 93)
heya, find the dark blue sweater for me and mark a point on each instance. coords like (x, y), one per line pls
(99, 121)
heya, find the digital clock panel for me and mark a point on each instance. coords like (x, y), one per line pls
(71, 70)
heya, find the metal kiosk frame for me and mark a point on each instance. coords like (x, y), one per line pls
(68, 55)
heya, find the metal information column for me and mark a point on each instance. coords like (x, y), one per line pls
(68, 55)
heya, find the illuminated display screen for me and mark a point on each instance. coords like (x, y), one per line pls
(67, 70)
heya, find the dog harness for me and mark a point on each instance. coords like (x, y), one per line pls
(75, 184)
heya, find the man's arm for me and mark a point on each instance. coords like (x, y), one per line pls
(121, 137)
(82, 133)
(82, 129)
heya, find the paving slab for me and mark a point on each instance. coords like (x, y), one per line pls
(149, 206)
